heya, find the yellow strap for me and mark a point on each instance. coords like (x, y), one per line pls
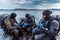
(8, 23)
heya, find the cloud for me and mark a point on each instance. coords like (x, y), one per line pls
(49, 6)
(40, 4)
(21, 2)
(55, 6)
(3, 2)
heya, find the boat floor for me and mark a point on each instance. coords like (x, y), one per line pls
(4, 36)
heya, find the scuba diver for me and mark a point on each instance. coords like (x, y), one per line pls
(10, 25)
(50, 30)
(28, 23)
(30, 20)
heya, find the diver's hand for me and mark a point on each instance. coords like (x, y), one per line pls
(14, 27)
(44, 29)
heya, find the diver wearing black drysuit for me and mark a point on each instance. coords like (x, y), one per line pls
(9, 24)
(27, 24)
(51, 29)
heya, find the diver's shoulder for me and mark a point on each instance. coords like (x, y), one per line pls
(55, 22)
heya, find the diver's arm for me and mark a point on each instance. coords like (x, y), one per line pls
(15, 21)
(8, 24)
(54, 26)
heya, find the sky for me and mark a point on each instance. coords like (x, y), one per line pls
(30, 4)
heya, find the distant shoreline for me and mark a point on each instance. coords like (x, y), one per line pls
(25, 9)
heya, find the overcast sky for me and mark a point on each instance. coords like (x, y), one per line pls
(31, 4)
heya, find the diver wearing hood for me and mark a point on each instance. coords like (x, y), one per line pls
(10, 25)
(50, 30)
